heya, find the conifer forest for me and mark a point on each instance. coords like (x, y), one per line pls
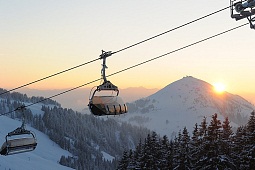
(211, 146)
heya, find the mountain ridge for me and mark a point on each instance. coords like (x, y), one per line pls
(78, 99)
(186, 102)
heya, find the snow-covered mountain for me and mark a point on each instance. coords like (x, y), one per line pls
(92, 142)
(184, 103)
(44, 157)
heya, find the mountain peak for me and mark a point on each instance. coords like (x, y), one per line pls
(185, 102)
(187, 86)
(190, 81)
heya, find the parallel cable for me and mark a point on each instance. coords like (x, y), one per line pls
(179, 49)
(50, 76)
(216, 35)
(158, 35)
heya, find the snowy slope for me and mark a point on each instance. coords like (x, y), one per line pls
(184, 103)
(44, 157)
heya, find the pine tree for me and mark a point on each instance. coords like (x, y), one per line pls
(185, 160)
(166, 154)
(155, 150)
(251, 128)
(138, 154)
(226, 146)
(131, 160)
(212, 146)
(176, 150)
(194, 146)
(248, 153)
(238, 152)
(201, 153)
(226, 137)
(227, 129)
(203, 129)
(209, 146)
(214, 131)
(148, 156)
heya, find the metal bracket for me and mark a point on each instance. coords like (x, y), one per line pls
(251, 21)
(20, 130)
(107, 85)
(103, 56)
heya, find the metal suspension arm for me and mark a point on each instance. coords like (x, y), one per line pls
(20, 130)
(103, 56)
(107, 85)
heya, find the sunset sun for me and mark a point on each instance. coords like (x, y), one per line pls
(219, 87)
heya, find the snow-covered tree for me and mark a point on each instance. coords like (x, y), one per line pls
(124, 162)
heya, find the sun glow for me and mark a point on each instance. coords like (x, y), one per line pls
(219, 87)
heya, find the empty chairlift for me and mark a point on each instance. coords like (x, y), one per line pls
(101, 105)
(18, 141)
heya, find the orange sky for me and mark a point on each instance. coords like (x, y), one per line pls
(40, 38)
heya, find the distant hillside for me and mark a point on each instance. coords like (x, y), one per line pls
(78, 99)
(19, 97)
(184, 103)
(92, 142)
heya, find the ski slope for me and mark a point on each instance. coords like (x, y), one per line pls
(44, 157)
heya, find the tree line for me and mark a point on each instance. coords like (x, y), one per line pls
(210, 146)
(18, 97)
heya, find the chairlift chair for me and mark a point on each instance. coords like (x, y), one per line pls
(20, 140)
(18, 144)
(106, 104)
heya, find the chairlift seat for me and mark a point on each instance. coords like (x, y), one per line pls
(14, 146)
(107, 105)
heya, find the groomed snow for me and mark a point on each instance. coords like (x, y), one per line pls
(44, 157)
(106, 156)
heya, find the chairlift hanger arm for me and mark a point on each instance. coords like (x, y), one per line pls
(107, 85)
(20, 130)
(103, 56)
